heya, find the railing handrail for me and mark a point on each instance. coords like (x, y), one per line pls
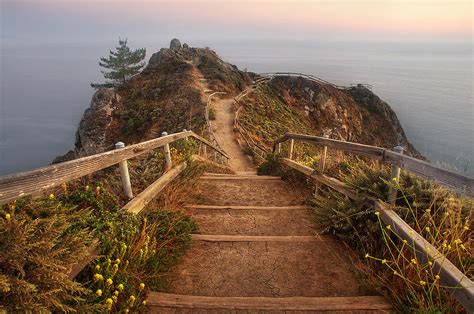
(455, 280)
(420, 167)
(20, 184)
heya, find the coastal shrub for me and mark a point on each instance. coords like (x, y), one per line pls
(39, 241)
(41, 238)
(436, 213)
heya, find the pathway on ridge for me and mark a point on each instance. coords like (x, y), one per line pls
(223, 129)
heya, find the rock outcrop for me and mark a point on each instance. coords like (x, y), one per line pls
(169, 95)
(175, 44)
(298, 104)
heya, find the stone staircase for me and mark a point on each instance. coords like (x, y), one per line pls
(257, 252)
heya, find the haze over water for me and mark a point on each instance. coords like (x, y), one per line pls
(417, 55)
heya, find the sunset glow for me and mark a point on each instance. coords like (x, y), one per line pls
(305, 17)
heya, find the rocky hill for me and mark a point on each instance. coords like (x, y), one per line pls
(298, 104)
(171, 93)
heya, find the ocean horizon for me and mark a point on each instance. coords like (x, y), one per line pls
(45, 88)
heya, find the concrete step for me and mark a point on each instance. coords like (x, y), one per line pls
(252, 220)
(175, 303)
(268, 266)
(248, 191)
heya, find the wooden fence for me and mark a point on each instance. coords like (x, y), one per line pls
(461, 287)
(42, 179)
(26, 183)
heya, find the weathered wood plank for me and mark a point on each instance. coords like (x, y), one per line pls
(147, 195)
(324, 179)
(80, 265)
(28, 182)
(235, 207)
(203, 140)
(356, 148)
(461, 287)
(330, 304)
(429, 171)
(241, 238)
(419, 167)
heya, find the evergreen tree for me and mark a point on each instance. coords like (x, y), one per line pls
(123, 63)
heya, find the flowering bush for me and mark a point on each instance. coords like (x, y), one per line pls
(440, 216)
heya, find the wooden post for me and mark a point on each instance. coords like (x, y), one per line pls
(322, 165)
(166, 147)
(186, 138)
(124, 175)
(292, 146)
(322, 161)
(394, 177)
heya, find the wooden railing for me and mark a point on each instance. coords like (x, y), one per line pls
(36, 181)
(29, 182)
(422, 168)
(461, 287)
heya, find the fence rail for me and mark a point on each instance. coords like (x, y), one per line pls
(422, 168)
(26, 183)
(460, 286)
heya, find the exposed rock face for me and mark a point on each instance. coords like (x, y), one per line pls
(175, 44)
(355, 114)
(92, 134)
(93, 128)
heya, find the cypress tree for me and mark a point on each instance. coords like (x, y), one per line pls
(123, 63)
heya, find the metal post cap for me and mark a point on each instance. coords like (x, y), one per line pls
(119, 145)
(164, 133)
(398, 149)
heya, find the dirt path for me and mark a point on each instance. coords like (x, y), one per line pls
(223, 128)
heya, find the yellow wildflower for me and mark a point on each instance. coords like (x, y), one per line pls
(51, 196)
(414, 261)
(131, 299)
(462, 246)
(120, 287)
(98, 293)
(7, 216)
(384, 261)
(114, 298)
(117, 261)
(389, 227)
(97, 267)
(466, 227)
(142, 286)
(437, 277)
(116, 293)
(428, 210)
(422, 282)
(405, 241)
(451, 199)
(394, 179)
(430, 263)
(87, 188)
(366, 255)
(427, 229)
(144, 302)
(457, 241)
(109, 302)
(126, 310)
(98, 277)
(109, 281)
(377, 213)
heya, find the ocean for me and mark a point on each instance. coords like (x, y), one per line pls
(45, 88)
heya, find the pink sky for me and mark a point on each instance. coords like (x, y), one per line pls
(430, 18)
